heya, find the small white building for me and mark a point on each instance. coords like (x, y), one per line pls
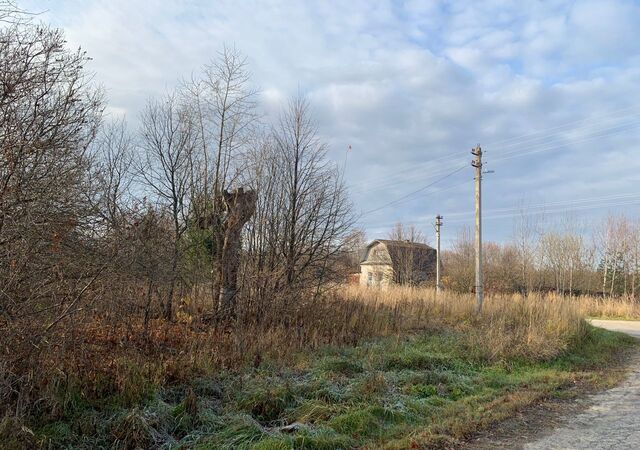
(387, 262)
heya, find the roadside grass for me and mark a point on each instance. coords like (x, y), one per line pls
(614, 308)
(420, 390)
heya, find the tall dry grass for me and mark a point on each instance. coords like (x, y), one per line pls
(534, 327)
(624, 307)
(128, 360)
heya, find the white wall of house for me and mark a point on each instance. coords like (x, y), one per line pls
(377, 268)
(376, 275)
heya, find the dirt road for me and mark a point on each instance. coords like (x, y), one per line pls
(612, 421)
(606, 420)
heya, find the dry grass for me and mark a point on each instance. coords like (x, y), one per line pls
(434, 374)
(101, 356)
(609, 308)
(533, 327)
(335, 362)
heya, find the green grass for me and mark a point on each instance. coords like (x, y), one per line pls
(422, 391)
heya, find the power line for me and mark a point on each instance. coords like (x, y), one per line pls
(557, 203)
(546, 142)
(448, 188)
(533, 147)
(550, 146)
(402, 180)
(555, 207)
(398, 174)
(610, 114)
(393, 202)
(555, 210)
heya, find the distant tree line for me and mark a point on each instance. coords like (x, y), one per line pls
(565, 257)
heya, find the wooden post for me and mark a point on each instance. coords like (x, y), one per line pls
(477, 164)
(438, 225)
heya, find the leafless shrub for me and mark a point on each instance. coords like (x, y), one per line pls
(48, 261)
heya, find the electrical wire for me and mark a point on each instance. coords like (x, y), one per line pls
(546, 142)
(393, 202)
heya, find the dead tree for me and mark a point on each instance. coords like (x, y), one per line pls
(239, 207)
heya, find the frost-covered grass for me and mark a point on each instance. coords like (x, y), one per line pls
(421, 390)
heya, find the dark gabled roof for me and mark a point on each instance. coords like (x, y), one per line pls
(423, 257)
(401, 244)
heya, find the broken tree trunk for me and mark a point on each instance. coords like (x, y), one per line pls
(239, 207)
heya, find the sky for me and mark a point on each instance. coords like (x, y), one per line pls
(549, 89)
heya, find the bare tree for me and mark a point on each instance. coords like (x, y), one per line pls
(298, 232)
(614, 241)
(113, 172)
(355, 244)
(49, 261)
(526, 234)
(410, 233)
(50, 113)
(12, 14)
(223, 106)
(167, 142)
(316, 211)
(459, 263)
(408, 258)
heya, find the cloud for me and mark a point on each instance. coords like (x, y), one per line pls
(548, 88)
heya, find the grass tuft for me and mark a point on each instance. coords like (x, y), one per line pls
(339, 365)
(266, 401)
(239, 432)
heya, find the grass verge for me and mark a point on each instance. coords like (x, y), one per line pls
(416, 391)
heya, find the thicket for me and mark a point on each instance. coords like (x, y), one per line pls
(111, 240)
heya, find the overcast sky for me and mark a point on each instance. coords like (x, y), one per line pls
(549, 89)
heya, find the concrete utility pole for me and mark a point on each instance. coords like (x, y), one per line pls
(438, 225)
(477, 164)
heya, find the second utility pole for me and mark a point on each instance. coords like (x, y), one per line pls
(438, 225)
(477, 164)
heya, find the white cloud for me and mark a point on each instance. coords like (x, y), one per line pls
(405, 83)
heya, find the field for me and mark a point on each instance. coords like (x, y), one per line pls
(396, 369)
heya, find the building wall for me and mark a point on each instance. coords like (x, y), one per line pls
(376, 270)
(376, 275)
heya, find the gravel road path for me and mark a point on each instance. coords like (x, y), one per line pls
(612, 419)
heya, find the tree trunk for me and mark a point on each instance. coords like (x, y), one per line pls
(613, 278)
(604, 276)
(168, 307)
(147, 306)
(240, 206)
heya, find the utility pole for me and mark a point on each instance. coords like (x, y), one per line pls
(438, 225)
(477, 164)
